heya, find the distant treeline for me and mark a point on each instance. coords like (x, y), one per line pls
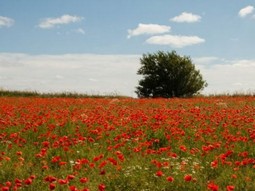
(16, 93)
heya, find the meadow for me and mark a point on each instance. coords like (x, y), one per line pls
(126, 144)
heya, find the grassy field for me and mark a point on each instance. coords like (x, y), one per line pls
(127, 144)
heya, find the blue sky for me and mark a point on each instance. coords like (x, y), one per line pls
(94, 46)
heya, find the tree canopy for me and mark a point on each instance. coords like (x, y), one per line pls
(167, 74)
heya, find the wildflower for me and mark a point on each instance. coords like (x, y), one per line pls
(18, 181)
(28, 181)
(55, 159)
(102, 164)
(97, 158)
(187, 177)
(120, 156)
(5, 188)
(214, 164)
(243, 154)
(7, 158)
(113, 161)
(84, 180)
(159, 173)
(70, 177)
(63, 181)
(45, 143)
(19, 153)
(90, 139)
(170, 179)
(102, 172)
(173, 155)
(62, 163)
(52, 186)
(8, 184)
(183, 148)
(212, 186)
(92, 165)
(230, 188)
(73, 188)
(45, 167)
(72, 162)
(101, 187)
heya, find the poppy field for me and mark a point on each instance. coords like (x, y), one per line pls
(99, 144)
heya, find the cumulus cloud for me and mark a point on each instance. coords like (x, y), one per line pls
(176, 41)
(186, 17)
(63, 20)
(148, 29)
(6, 22)
(246, 11)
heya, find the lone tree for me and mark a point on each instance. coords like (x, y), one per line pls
(166, 74)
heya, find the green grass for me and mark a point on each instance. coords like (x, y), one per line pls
(127, 144)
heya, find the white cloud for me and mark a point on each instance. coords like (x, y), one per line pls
(176, 41)
(6, 21)
(82, 73)
(227, 76)
(186, 17)
(64, 19)
(206, 60)
(80, 31)
(148, 29)
(246, 11)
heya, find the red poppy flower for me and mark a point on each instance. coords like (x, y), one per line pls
(62, 163)
(5, 188)
(50, 179)
(84, 180)
(52, 186)
(63, 181)
(19, 153)
(101, 187)
(170, 179)
(187, 177)
(214, 164)
(28, 181)
(212, 186)
(183, 148)
(230, 188)
(159, 173)
(8, 183)
(73, 188)
(70, 177)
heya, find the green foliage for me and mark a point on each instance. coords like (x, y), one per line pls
(166, 74)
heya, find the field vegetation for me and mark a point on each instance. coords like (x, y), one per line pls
(115, 144)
